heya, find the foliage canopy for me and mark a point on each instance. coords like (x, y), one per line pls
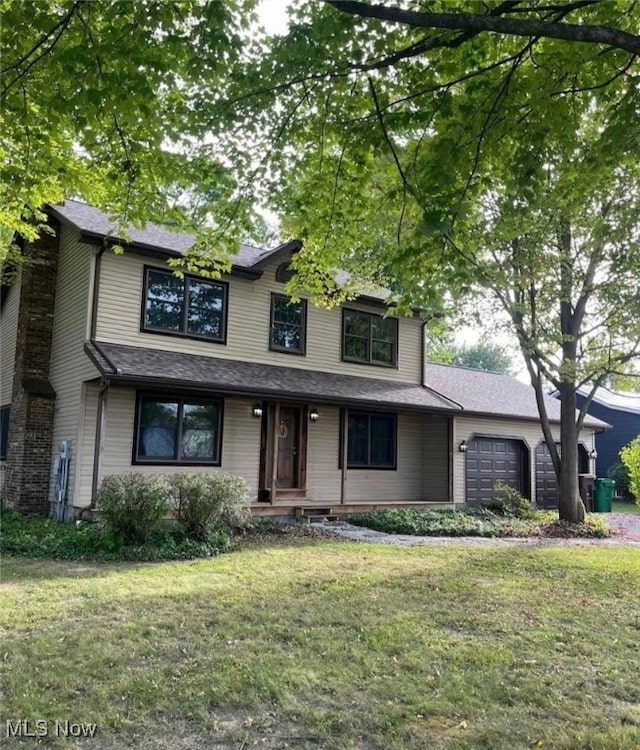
(99, 100)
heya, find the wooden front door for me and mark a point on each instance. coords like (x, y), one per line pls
(289, 448)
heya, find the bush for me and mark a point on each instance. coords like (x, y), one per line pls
(463, 522)
(204, 502)
(133, 506)
(509, 502)
(85, 540)
(478, 522)
(630, 456)
(620, 475)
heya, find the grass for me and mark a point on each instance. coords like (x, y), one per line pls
(625, 508)
(304, 643)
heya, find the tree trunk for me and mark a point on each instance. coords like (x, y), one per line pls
(570, 505)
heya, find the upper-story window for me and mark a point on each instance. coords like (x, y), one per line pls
(369, 338)
(288, 325)
(189, 306)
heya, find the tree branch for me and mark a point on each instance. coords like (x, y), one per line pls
(510, 26)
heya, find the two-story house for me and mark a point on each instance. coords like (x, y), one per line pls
(111, 363)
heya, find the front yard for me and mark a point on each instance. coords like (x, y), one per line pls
(303, 643)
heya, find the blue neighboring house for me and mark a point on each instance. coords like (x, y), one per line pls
(622, 412)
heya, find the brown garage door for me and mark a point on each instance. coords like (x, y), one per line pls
(491, 459)
(546, 482)
(547, 490)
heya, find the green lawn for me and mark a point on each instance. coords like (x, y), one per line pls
(315, 644)
(625, 508)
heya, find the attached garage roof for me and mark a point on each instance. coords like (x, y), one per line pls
(158, 368)
(492, 394)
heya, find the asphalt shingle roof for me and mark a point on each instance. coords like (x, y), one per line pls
(141, 364)
(92, 220)
(491, 393)
(627, 402)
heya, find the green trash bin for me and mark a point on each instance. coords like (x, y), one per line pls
(603, 495)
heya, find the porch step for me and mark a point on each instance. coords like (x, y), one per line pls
(294, 493)
(316, 513)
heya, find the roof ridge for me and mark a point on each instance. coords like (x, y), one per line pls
(466, 367)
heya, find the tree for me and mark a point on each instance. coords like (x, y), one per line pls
(498, 155)
(630, 456)
(99, 100)
(480, 356)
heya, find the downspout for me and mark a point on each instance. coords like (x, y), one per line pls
(97, 446)
(96, 290)
(93, 325)
(423, 352)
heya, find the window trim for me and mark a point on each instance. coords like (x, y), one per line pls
(180, 398)
(183, 333)
(372, 467)
(302, 352)
(374, 363)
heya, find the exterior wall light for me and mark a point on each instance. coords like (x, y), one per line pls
(313, 415)
(257, 411)
(593, 454)
(463, 447)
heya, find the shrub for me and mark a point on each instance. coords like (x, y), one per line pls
(463, 522)
(132, 506)
(84, 540)
(509, 502)
(630, 456)
(204, 502)
(620, 475)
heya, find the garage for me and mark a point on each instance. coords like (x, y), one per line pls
(490, 459)
(546, 482)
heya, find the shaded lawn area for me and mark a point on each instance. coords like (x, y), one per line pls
(625, 508)
(316, 644)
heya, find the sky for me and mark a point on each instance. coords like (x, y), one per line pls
(273, 15)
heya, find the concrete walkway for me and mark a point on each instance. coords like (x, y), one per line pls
(627, 526)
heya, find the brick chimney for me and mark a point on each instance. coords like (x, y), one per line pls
(28, 471)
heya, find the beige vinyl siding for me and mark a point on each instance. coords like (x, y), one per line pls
(8, 334)
(529, 432)
(70, 366)
(421, 474)
(86, 442)
(119, 318)
(324, 477)
(406, 482)
(240, 441)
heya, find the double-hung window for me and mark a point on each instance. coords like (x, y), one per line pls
(178, 430)
(288, 325)
(371, 440)
(369, 339)
(187, 306)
